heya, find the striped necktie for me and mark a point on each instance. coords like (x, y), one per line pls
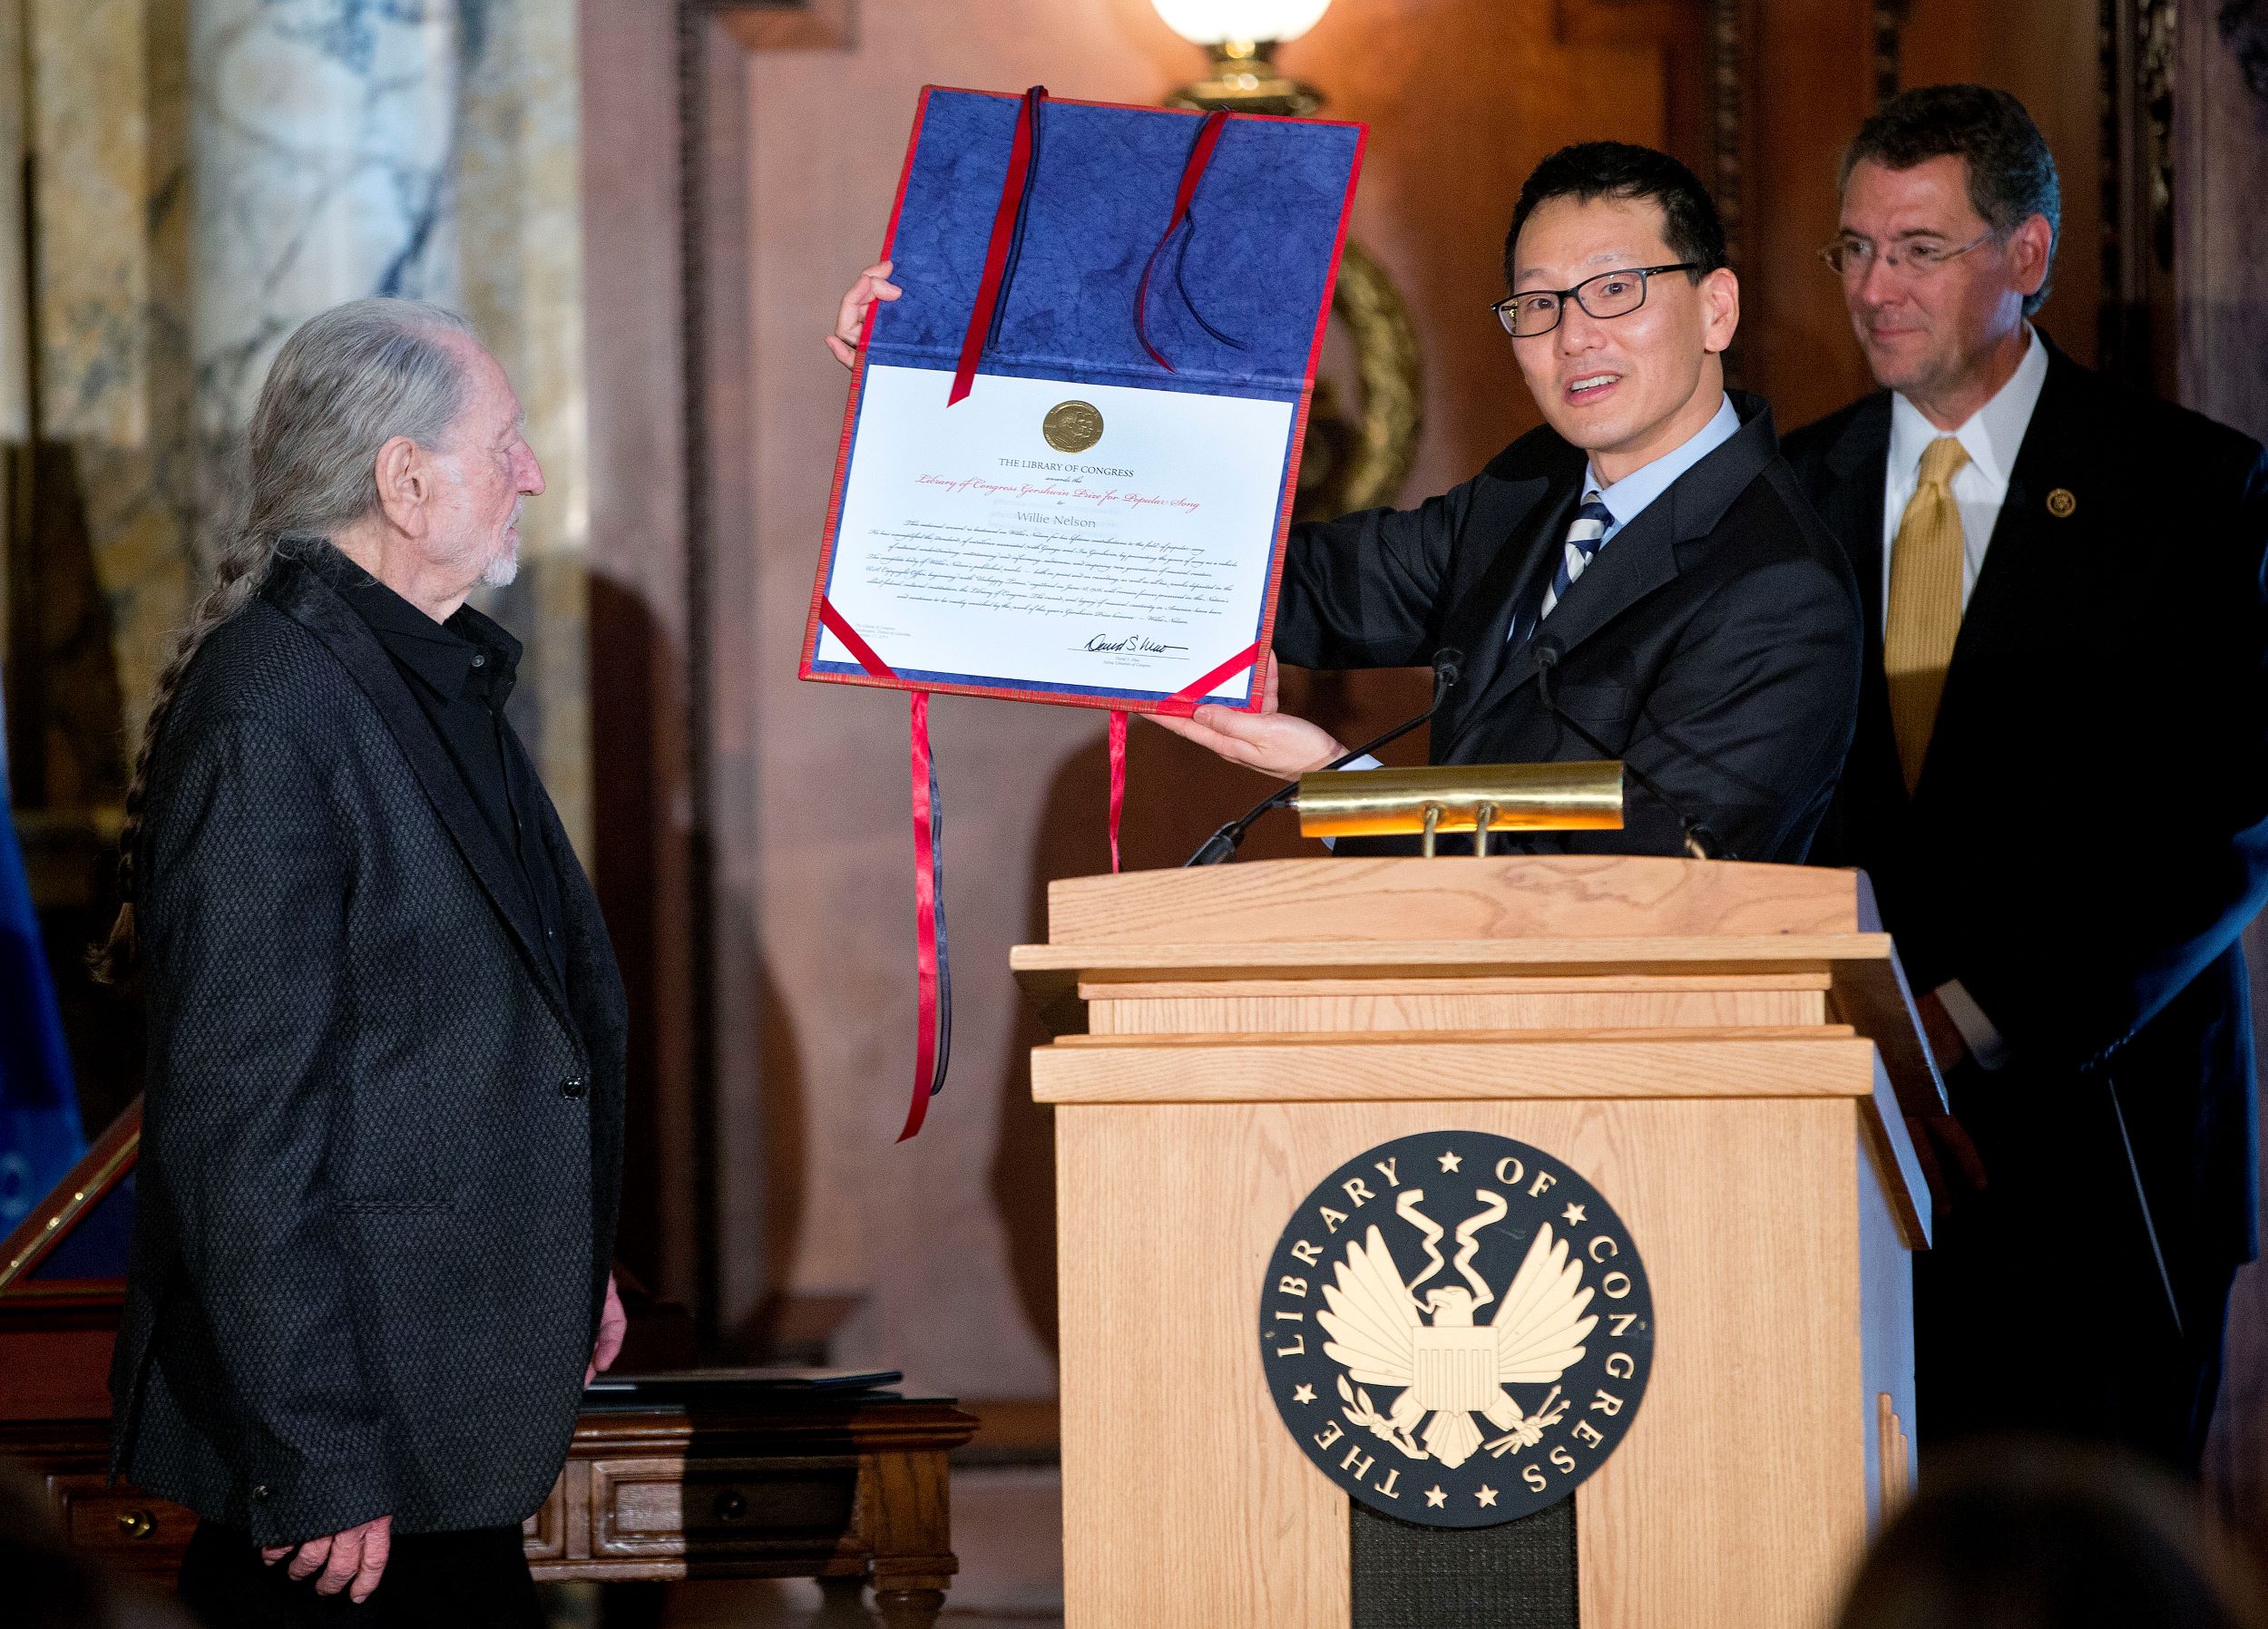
(1925, 567)
(1583, 536)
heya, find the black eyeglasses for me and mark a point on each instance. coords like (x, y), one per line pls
(1609, 294)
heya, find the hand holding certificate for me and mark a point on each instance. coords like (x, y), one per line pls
(1072, 438)
(1113, 545)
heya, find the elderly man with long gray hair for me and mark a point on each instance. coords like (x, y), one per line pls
(382, 1131)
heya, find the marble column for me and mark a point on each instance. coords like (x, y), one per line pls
(322, 139)
(207, 175)
(426, 148)
(213, 172)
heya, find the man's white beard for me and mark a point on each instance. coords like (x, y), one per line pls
(501, 570)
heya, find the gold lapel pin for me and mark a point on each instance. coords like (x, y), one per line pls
(2060, 502)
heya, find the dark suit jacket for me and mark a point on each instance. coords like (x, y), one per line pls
(381, 1135)
(2090, 834)
(1714, 642)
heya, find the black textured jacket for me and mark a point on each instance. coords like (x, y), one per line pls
(1714, 644)
(2090, 834)
(381, 1139)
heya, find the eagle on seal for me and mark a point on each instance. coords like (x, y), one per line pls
(1451, 1368)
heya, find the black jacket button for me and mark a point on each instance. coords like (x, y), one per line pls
(259, 1490)
(572, 1087)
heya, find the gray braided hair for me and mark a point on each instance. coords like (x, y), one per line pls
(343, 385)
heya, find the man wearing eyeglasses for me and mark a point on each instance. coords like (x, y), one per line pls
(2064, 606)
(1639, 578)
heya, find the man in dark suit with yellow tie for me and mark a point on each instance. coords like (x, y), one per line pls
(2059, 785)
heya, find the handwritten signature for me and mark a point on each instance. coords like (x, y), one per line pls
(1133, 642)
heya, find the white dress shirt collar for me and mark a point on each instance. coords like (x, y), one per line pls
(1627, 499)
(1990, 435)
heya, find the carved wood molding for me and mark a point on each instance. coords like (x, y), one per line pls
(1728, 36)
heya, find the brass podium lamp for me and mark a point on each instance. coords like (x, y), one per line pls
(1479, 798)
(1350, 460)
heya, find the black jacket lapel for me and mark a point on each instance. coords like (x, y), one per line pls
(1873, 794)
(1529, 491)
(2056, 454)
(299, 590)
(1522, 512)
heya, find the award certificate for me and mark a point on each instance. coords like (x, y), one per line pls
(1042, 535)
(1069, 451)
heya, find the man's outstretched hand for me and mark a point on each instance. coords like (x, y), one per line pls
(874, 284)
(352, 1561)
(1274, 743)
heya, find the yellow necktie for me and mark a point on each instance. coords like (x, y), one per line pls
(1925, 563)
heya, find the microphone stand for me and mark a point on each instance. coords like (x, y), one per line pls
(1222, 845)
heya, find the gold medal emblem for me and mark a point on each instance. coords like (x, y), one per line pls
(1072, 427)
(2060, 502)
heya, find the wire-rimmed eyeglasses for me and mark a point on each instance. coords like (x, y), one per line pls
(1534, 311)
(1855, 256)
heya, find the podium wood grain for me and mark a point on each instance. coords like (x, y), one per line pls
(1712, 1046)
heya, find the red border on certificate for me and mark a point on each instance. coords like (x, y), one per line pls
(1112, 702)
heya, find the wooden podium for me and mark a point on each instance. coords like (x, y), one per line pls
(1726, 1052)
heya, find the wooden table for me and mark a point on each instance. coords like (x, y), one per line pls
(846, 1488)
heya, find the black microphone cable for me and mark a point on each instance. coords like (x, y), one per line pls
(1448, 667)
(1701, 843)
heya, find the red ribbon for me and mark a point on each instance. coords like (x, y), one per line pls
(1118, 783)
(1183, 701)
(1192, 172)
(1004, 229)
(932, 965)
(831, 620)
(932, 1035)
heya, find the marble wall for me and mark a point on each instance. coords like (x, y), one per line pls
(106, 116)
(211, 172)
(322, 139)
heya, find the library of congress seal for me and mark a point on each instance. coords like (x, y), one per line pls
(1456, 1328)
(1072, 427)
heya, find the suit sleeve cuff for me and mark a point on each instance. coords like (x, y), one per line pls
(1364, 762)
(1986, 1044)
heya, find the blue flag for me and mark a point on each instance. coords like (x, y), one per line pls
(39, 1135)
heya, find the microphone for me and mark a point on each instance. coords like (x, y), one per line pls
(1701, 843)
(1448, 668)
